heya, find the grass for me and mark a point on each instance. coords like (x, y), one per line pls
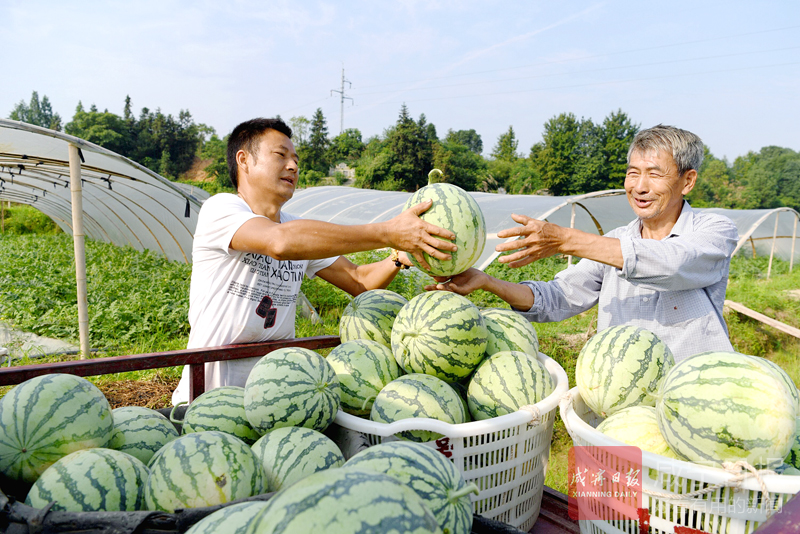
(138, 303)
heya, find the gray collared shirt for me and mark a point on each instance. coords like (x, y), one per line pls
(674, 287)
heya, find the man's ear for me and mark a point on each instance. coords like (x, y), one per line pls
(241, 161)
(689, 180)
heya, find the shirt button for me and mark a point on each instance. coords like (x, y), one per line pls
(646, 299)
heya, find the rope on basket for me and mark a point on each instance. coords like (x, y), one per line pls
(536, 415)
(735, 469)
(564, 403)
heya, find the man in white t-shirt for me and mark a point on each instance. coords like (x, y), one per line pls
(249, 258)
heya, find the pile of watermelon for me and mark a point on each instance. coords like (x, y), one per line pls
(445, 359)
(714, 408)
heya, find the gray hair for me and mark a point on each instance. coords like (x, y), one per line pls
(686, 148)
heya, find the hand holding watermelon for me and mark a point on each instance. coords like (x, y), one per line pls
(410, 233)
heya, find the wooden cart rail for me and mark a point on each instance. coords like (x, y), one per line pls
(195, 358)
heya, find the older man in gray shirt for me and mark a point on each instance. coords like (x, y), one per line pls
(666, 271)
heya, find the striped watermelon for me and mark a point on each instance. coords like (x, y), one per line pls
(620, 367)
(637, 426)
(220, 409)
(505, 382)
(793, 458)
(202, 469)
(508, 330)
(418, 395)
(441, 334)
(345, 501)
(291, 453)
(363, 368)
(291, 387)
(233, 519)
(46, 418)
(92, 480)
(140, 431)
(430, 474)
(717, 407)
(370, 316)
(461, 390)
(785, 378)
(453, 209)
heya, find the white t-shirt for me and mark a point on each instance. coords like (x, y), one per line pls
(237, 297)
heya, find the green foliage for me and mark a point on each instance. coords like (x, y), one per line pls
(468, 138)
(577, 156)
(518, 177)
(21, 219)
(162, 143)
(215, 149)
(402, 160)
(460, 165)
(134, 297)
(506, 147)
(309, 178)
(313, 153)
(39, 113)
(300, 129)
(345, 147)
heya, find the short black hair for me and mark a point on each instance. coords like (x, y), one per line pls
(246, 137)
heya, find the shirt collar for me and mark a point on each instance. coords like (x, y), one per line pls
(682, 225)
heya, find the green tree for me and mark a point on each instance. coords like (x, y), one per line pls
(468, 138)
(300, 128)
(555, 158)
(460, 165)
(39, 113)
(615, 137)
(104, 129)
(506, 147)
(402, 160)
(313, 157)
(345, 147)
(215, 149)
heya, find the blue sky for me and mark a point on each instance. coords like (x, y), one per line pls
(728, 71)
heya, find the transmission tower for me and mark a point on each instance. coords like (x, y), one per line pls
(343, 98)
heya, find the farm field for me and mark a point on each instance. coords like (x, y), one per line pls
(138, 302)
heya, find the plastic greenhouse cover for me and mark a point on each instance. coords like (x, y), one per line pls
(124, 203)
(597, 212)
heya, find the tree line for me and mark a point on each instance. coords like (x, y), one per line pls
(575, 155)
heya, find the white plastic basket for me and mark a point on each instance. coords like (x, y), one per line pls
(506, 457)
(735, 506)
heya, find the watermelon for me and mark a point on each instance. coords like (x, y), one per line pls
(233, 519)
(717, 407)
(453, 209)
(291, 453)
(508, 330)
(461, 390)
(418, 395)
(140, 431)
(291, 387)
(441, 334)
(430, 474)
(370, 316)
(793, 458)
(363, 368)
(785, 378)
(220, 409)
(46, 418)
(202, 469)
(345, 501)
(505, 382)
(91, 480)
(637, 426)
(621, 366)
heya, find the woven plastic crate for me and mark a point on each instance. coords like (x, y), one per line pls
(506, 457)
(676, 495)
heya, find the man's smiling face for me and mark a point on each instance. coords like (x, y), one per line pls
(275, 166)
(654, 188)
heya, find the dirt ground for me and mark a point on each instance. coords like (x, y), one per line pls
(154, 393)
